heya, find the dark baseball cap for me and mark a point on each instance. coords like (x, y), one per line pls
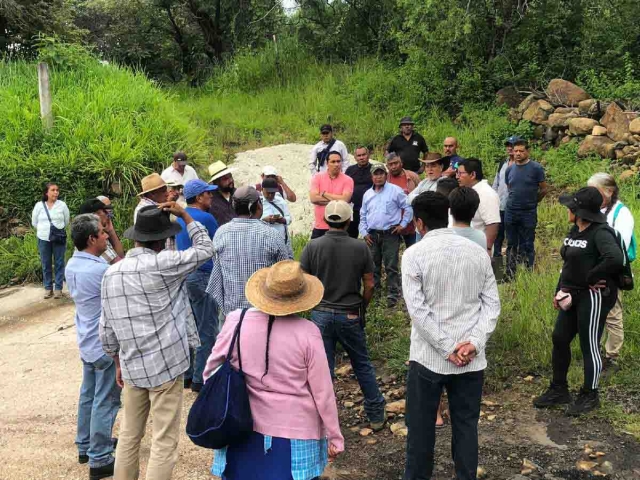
(92, 206)
(513, 139)
(246, 194)
(270, 185)
(585, 203)
(326, 128)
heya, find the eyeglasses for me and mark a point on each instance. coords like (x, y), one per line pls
(459, 173)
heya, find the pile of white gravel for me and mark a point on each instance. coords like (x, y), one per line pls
(291, 162)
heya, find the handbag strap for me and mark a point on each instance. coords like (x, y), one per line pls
(46, 210)
(286, 230)
(236, 336)
(616, 212)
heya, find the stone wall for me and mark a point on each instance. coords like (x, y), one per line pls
(565, 113)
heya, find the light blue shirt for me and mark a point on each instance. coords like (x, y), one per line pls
(384, 209)
(84, 274)
(269, 209)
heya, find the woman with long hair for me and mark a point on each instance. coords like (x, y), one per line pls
(295, 416)
(619, 218)
(50, 218)
(586, 292)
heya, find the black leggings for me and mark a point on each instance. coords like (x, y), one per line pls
(586, 318)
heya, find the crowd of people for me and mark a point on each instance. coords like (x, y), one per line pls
(207, 256)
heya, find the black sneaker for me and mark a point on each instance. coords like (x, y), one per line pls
(586, 401)
(101, 472)
(83, 458)
(196, 387)
(187, 383)
(555, 395)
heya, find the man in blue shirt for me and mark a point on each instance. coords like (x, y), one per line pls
(198, 195)
(384, 214)
(99, 393)
(527, 187)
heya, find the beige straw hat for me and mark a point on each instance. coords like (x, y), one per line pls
(152, 182)
(283, 289)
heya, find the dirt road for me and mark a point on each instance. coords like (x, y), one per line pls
(40, 376)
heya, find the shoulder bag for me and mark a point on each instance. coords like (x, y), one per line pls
(323, 155)
(56, 235)
(221, 415)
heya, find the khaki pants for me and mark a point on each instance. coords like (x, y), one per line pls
(615, 330)
(165, 404)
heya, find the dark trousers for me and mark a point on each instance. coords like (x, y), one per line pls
(338, 327)
(317, 233)
(409, 240)
(386, 250)
(52, 259)
(355, 224)
(586, 318)
(464, 392)
(497, 245)
(520, 227)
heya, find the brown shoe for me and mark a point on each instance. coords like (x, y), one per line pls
(48, 294)
(57, 294)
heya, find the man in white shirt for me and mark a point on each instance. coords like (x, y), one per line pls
(452, 298)
(179, 172)
(487, 218)
(319, 155)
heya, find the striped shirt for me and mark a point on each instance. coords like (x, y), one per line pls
(451, 294)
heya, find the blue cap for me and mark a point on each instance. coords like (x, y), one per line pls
(193, 188)
(513, 139)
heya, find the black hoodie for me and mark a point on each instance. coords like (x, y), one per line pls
(589, 256)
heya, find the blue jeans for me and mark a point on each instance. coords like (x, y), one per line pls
(350, 333)
(47, 251)
(205, 311)
(97, 410)
(497, 245)
(520, 227)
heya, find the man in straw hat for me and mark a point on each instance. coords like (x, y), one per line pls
(147, 326)
(221, 207)
(449, 333)
(154, 191)
(293, 403)
(241, 247)
(385, 213)
(435, 165)
(409, 145)
(344, 265)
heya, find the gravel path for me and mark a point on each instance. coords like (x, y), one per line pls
(290, 161)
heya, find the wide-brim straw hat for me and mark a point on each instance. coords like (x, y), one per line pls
(283, 289)
(218, 170)
(152, 182)
(435, 157)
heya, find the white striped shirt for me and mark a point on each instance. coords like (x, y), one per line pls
(451, 294)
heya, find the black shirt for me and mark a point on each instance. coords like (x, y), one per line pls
(221, 208)
(409, 150)
(590, 256)
(361, 183)
(340, 262)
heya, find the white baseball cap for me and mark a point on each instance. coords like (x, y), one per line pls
(269, 170)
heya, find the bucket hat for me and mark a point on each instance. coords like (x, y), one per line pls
(151, 182)
(407, 121)
(152, 224)
(218, 170)
(585, 203)
(283, 289)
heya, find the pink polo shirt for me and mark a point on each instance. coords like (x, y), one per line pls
(296, 399)
(322, 182)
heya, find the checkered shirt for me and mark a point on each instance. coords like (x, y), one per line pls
(146, 315)
(308, 458)
(241, 247)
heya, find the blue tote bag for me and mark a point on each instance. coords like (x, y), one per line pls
(221, 415)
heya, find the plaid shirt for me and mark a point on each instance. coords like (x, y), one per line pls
(241, 247)
(146, 315)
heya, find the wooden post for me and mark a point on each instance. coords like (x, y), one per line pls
(45, 96)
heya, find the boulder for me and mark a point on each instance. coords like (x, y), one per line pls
(602, 146)
(526, 103)
(566, 110)
(634, 126)
(561, 92)
(550, 134)
(558, 120)
(508, 96)
(599, 131)
(616, 122)
(565, 139)
(626, 175)
(538, 112)
(581, 126)
(585, 105)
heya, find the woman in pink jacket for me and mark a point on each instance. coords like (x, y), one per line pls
(295, 417)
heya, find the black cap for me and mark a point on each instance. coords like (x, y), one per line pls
(586, 204)
(270, 185)
(326, 128)
(92, 206)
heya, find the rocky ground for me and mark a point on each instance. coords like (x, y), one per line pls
(40, 377)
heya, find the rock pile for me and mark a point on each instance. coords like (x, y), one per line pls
(566, 113)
